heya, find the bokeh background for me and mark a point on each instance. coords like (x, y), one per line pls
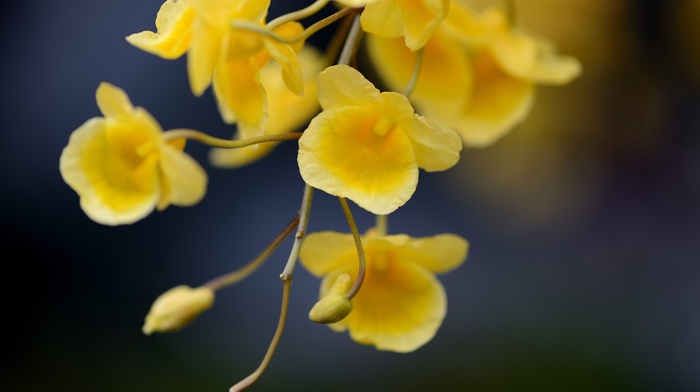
(584, 223)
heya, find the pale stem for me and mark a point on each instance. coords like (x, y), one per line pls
(511, 12)
(360, 251)
(245, 271)
(246, 382)
(203, 138)
(382, 225)
(414, 74)
(351, 42)
(304, 213)
(308, 32)
(296, 15)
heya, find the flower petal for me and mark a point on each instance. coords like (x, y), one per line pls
(382, 18)
(113, 101)
(323, 252)
(241, 96)
(174, 31)
(287, 57)
(183, 177)
(342, 154)
(440, 254)
(203, 55)
(420, 19)
(399, 307)
(341, 85)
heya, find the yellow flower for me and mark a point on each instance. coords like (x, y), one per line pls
(478, 74)
(228, 57)
(415, 20)
(121, 166)
(287, 111)
(176, 308)
(401, 303)
(367, 146)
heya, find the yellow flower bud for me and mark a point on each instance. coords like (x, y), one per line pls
(333, 307)
(176, 308)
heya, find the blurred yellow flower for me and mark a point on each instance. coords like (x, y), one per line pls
(414, 20)
(478, 73)
(286, 111)
(176, 308)
(401, 303)
(121, 166)
(222, 54)
(367, 146)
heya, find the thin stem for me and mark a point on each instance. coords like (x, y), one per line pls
(304, 213)
(242, 273)
(511, 12)
(382, 225)
(296, 15)
(414, 74)
(351, 42)
(338, 40)
(360, 251)
(248, 381)
(227, 143)
(308, 32)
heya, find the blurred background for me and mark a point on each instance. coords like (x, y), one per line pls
(584, 267)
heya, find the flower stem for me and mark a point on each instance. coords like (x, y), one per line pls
(512, 12)
(414, 74)
(382, 225)
(248, 381)
(360, 251)
(227, 143)
(304, 213)
(296, 15)
(351, 42)
(242, 273)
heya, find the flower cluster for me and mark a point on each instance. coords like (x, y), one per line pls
(456, 77)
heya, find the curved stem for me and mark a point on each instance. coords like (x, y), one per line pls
(296, 15)
(414, 74)
(304, 213)
(351, 42)
(242, 273)
(253, 377)
(227, 143)
(360, 251)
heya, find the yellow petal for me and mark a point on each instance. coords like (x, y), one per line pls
(323, 252)
(286, 56)
(101, 163)
(436, 147)
(174, 31)
(203, 55)
(551, 68)
(241, 96)
(420, 19)
(399, 307)
(341, 85)
(382, 18)
(184, 178)
(440, 254)
(113, 101)
(342, 154)
(515, 53)
(498, 103)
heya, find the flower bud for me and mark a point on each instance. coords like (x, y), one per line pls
(176, 308)
(333, 307)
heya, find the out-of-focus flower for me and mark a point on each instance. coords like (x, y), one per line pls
(176, 308)
(367, 146)
(121, 166)
(229, 57)
(401, 303)
(414, 20)
(478, 73)
(286, 111)
(333, 305)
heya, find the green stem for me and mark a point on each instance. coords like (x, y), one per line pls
(351, 42)
(253, 377)
(242, 273)
(382, 225)
(227, 143)
(304, 213)
(414, 74)
(511, 12)
(360, 251)
(297, 15)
